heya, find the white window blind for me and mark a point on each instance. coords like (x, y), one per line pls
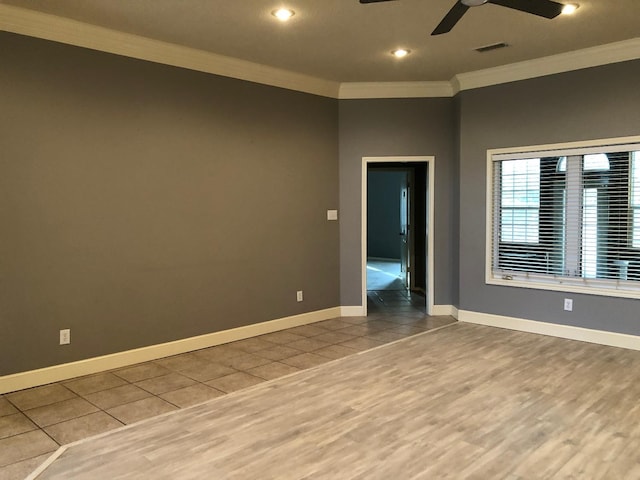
(568, 220)
(635, 198)
(520, 200)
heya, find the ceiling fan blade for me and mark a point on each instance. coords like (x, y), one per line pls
(375, 1)
(542, 8)
(450, 19)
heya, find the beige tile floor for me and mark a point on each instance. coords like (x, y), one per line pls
(35, 422)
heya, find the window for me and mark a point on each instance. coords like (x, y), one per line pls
(566, 217)
(520, 200)
(598, 161)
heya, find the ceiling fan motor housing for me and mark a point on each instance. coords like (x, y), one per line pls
(543, 8)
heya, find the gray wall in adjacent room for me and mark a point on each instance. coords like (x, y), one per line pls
(383, 213)
(141, 203)
(595, 103)
(396, 127)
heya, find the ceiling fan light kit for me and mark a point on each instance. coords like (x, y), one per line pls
(569, 8)
(542, 8)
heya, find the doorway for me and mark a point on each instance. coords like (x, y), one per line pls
(397, 241)
(387, 228)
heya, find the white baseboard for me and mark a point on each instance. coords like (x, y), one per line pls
(439, 310)
(56, 373)
(352, 311)
(600, 337)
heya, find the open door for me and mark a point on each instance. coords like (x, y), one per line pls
(405, 225)
(411, 235)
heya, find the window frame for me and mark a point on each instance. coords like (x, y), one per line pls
(591, 286)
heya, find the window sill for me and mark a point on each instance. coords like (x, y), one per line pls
(568, 285)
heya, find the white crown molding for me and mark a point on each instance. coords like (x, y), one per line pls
(564, 62)
(355, 90)
(63, 30)
(551, 65)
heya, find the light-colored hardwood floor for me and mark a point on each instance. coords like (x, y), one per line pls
(464, 401)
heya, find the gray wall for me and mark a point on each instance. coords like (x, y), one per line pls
(383, 213)
(141, 203)
(589, 104)
(455, 207)
(396, 127)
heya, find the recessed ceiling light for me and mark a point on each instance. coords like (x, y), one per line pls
(400, 52)
(569, 8)
(283, 14)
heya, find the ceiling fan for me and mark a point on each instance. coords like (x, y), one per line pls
(542, 8)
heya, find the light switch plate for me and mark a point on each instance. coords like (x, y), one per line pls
(332, 214)
(568, 304)
(65, 336)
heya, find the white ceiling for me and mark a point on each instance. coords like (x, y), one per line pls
(345, 41)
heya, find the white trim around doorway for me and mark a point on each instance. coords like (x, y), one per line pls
(431, 165)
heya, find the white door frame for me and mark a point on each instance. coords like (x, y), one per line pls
(431, 165)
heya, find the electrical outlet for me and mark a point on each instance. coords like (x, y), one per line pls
(65, 336)
(299, 295)
(568, 304)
